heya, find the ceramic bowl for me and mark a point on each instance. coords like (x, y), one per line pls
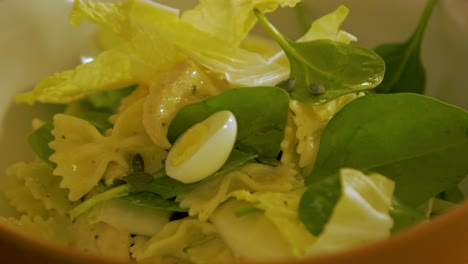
(36, 41)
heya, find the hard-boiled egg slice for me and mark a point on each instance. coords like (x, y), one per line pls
(202, 149)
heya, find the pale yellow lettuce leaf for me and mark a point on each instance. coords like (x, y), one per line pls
(328, 27)
(105, 39)
(185, 240)
(111, 69)
(262, 45)
(142, 24)
(360, 216)
(118, 16)
(126, 216)
(280, 208)
(239, 66)
(232, 19)
(109, 15)
(156, 39)
(273, 232)
(145, 53)
(251, 236)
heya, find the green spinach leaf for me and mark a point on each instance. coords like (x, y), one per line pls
(441, 206)
(115, 192)
(454, 195)
(39, 141)
(167, 187)
(139, 178)
(109, 100)
(323, 70)
(318, 202)
(100, 120)
(419, 142)
(261, 114)
(301, 15)
(129, 193)
(247, 209)
(236, 158)
(404, 216)
(404, 69)
(153, 200)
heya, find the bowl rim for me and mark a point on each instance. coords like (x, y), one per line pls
(409, 246)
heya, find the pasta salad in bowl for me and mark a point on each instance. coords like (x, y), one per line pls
(215, 132)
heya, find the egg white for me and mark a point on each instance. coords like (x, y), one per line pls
(203, 148)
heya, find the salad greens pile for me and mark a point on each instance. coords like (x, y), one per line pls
(388, 156)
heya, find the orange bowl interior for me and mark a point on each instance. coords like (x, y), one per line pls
(442, 240)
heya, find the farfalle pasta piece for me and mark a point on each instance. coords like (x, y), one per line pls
(280, 208)
(187, 239)
(83, 155)
(186, 83)
(19, 196)
(54, 230)
(100, 239)
(140, 92)
(131, 137)
(37, 178)
(203, 200)
(80, 161)
(310, 121)
(289, 156)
